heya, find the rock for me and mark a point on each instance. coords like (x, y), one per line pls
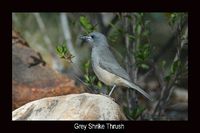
(83, 106)
(18, 39)
(180, 95)
(32, 78)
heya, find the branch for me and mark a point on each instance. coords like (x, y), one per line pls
(109, 27)
(168, 44)
(56, 62)
(168, 88)
(67, 36)
(67, 33)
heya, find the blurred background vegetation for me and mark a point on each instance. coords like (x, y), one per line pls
(152, 47)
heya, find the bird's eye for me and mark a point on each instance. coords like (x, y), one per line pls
(92, 36)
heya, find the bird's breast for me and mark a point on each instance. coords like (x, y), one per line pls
(103, 75)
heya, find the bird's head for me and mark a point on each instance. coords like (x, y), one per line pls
(95, 39)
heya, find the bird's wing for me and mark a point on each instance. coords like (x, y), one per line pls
(109, 63)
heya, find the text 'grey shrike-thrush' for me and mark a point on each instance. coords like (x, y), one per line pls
(105, 66)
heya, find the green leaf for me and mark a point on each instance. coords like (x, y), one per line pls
(61, 50)
(64, 49)
(146, 33)
(163, 63)
(167, 78)
(175, 66)
(116, 28)
(58, 49)
(131, 37)
(129, 17)
(92, 79)
(137, 112)
(144, 66)
(99, 84)
(86, 24)
(139, 29)
(87, 64)
(173, 18)
(126, 110)
(141, 14)
(87, 78)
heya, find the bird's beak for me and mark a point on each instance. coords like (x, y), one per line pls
(85, 38)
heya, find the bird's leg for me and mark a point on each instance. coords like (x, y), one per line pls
(112, 90)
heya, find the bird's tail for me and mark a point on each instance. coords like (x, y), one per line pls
(134, 86)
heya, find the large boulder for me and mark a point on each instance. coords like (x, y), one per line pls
(70, 107)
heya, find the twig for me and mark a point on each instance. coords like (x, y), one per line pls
(168, 88)
(90, 90)
(113, 21)
(77, 69)
(129, 59)
(67, 34)
(100, 22)
(145, 75)
(136, 75)
(168, 44)
(170, 93)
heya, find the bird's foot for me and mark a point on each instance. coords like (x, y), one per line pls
(107, 96)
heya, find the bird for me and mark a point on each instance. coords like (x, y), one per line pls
(106, 67)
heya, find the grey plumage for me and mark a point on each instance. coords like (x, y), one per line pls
(105, 66)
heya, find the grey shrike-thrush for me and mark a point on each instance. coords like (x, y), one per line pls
(105, 66)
